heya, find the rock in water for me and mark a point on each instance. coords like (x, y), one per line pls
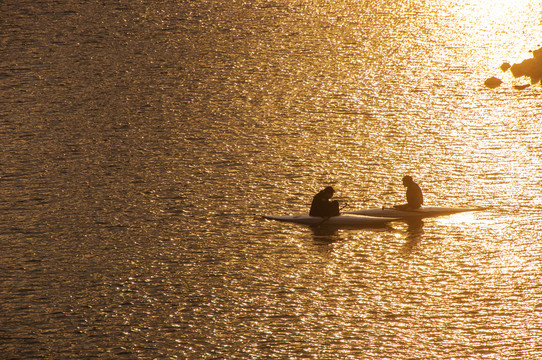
(530, 67)
(493, 82)
(505, 66)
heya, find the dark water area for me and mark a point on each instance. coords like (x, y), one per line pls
(142, 141)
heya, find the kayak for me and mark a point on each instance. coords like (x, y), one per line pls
(340, 220)
(413, 214)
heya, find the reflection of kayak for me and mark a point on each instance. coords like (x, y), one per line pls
(341, 220)
(413, 214)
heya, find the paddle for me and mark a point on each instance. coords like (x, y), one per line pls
(327, 217)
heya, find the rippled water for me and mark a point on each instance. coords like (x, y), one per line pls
(143, 140)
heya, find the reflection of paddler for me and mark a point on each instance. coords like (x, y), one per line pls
(413, 194)
(322, 205)
(414, 234)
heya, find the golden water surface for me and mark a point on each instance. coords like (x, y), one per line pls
(142, 141)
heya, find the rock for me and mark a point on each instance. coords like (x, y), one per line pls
(523, 68)
(493, 82)
(530, 67)
(505, 66)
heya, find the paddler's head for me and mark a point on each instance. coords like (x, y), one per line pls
(407, 180)
(328, 191)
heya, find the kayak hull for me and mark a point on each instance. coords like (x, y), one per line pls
(341, 220)
(413, 214)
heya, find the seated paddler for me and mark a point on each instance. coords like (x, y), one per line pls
(323, 206)
(413, 194)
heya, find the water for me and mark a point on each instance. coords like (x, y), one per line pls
(142, 141)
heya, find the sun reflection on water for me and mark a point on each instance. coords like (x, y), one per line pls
(488, 33)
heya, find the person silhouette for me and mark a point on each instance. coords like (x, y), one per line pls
(414, 195)
(322, 205)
